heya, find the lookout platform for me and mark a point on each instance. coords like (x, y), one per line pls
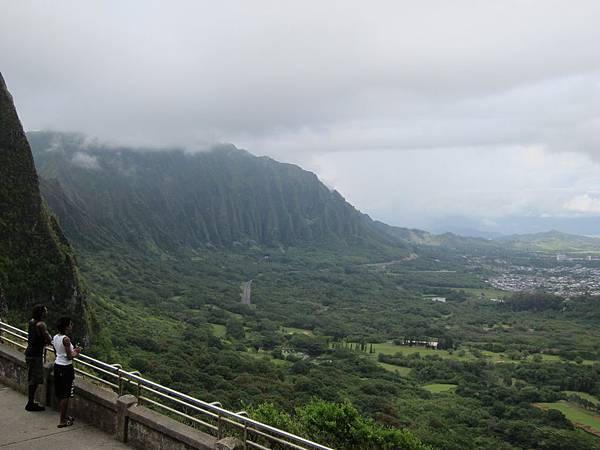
(23, 430)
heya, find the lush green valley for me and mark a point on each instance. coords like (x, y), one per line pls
(344, 312)
(329, 332)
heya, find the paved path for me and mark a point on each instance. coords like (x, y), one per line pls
(22, 430)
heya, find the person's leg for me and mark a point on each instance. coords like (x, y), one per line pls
(31, 396)
(62, 408)
(64, 377)
(35, 376)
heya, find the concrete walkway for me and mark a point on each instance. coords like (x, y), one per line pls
(22, 430)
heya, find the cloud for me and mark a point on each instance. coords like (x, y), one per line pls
(85, 161)
(395, 74)
(424, 187)
(584, 203)
(465, 84)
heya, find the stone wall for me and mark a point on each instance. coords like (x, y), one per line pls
(121, 416)
(13, 371)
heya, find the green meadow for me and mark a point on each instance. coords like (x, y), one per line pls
(575, 414)
(437, 388)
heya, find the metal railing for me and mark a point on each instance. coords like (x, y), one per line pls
(211, 417)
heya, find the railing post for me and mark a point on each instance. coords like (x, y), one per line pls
(123, 404)
(120, 382)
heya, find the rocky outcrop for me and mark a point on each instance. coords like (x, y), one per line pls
(37, 264)
(3, 305)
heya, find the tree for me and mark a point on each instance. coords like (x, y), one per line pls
(235, 329)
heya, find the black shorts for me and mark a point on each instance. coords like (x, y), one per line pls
(35, 370)
(64, 376)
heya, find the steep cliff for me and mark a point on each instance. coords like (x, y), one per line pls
(173, 200)
(37, 264)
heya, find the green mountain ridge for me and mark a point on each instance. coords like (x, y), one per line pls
(551, 241)
(446, 241)
(547, 242)
(37, 264)
(176, 201)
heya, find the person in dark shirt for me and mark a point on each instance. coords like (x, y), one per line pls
(37, 338)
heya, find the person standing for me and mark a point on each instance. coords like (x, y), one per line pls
(37, 338)
(64, 373)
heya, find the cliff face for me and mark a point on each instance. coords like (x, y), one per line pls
(36, 261)
(171, 200)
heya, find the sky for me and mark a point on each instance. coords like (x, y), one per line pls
(430, 114)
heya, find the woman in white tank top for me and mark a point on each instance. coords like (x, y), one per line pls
(64, 374)
(62, 357)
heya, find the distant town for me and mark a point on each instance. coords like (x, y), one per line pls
(564, 280)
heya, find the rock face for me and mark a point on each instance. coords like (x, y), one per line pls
(37, 264)
(3, 305)
(107, 196)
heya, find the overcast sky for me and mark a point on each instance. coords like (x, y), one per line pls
(416, 112)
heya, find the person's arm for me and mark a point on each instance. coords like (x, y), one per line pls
(71, 352)
(43, 330)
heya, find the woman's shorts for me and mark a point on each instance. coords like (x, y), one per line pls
(63, 380)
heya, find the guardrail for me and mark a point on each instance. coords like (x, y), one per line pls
(196, 413)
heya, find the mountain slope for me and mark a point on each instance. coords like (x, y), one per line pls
(36, 261)
(172, 200)
(551, 241)
(448, 241)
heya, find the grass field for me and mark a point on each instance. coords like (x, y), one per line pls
(389, 348)
(437, 388)
(402, 371)
(219, 330)
(292, 330)
(580, 417)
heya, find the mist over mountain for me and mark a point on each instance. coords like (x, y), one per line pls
(172, 200)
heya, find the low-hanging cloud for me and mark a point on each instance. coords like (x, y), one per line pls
(85, 161)
(299, 80)
(584, 203)
(424, 74)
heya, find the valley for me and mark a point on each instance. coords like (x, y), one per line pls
(313, 333)
(406, 334)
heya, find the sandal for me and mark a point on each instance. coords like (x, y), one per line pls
(68, 423)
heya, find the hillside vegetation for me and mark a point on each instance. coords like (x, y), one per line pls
(37, 264)
(175, 201)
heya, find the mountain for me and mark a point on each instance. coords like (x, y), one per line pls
(410, 235)
(448, 241)
(171, 200)
(37, 264)
(551, 241)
